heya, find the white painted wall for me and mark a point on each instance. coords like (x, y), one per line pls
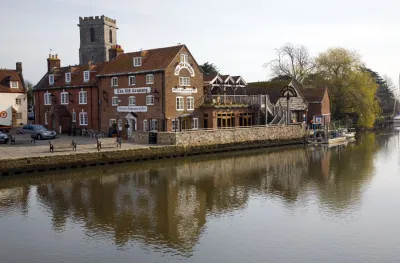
(8, 99)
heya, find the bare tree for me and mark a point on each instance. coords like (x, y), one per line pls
(292, 61)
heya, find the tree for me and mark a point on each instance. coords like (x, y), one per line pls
(209, 69)
(351, 89)
(292, 61)
(29, 92)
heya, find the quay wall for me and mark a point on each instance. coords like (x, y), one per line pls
(225, 136)
(199, 144)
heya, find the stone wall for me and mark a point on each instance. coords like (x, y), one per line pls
(253, 134)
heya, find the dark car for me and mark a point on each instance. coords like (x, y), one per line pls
(3, 138)
(37, 131)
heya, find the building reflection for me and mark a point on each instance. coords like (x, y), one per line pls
(167, 203)
(14, 200)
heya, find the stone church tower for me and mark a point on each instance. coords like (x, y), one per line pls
(98, 35)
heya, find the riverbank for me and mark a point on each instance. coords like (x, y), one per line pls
(37, 158)
(115, 156)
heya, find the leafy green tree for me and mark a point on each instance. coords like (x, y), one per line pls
(351, 89)
(209, 69)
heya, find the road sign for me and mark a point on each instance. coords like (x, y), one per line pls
(3, 114)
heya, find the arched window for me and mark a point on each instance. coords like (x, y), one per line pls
(110, 32)
(92, 35)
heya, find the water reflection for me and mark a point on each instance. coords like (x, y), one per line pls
(168, 203)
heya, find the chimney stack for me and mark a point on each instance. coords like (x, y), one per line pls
(53, 62)
(18, 67)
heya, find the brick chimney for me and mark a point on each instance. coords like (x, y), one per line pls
(18, 67)
(114, 51)
(53, 62)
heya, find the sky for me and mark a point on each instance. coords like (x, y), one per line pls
(238, 36)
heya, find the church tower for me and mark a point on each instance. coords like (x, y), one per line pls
(98, 35)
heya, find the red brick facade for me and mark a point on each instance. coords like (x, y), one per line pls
(110, 90)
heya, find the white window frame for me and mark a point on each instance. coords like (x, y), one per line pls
(153, 125)
(73, 116)
(83, 118)
(130, 80)
(86, 75)
(64, 98)
(175, 124)
(137, 61)
(82, 97)
(184, 58)
(149, 79)
(68, 77)
(113, 102)
(190, 104)
(18, 101)
(114, 82)
(47, 98)
(180, 100)
(132, 101)
(51, 79)
(149, 100)
(184, 81)
(195, 123)
(45, 118)
(145, 125)
(12, 83)
(19, 115)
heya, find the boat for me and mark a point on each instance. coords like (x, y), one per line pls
(347, 133)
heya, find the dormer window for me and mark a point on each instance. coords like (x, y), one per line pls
(14, 84)
(86, 76)
(67, 77)
(137, 62)
(184, 58)
(114, 82)
(51, 79)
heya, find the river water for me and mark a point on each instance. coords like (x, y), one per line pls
(290, 204)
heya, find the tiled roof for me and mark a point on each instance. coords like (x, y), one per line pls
(313, 94)
(271, 88)
(13, 76)
(152, 59)
(76, 76)
(209, 77)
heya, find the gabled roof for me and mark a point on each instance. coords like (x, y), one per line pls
(152, 60)
(237, 79)
(314, 95)
(76, 76)
(11, 75)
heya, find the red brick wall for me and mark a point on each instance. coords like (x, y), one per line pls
(173, 81)
(318, 109)
(110, 112)
(91, 107)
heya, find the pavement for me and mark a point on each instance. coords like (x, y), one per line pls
(41, 148)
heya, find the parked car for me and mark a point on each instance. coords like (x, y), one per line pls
(37, 131)
(3, 138)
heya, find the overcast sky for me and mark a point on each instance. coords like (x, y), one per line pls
(238, 36)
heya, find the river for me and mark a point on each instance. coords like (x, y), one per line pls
(289, 204)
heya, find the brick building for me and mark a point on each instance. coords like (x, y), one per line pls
(319, 108)
(67, 97)
(152, 90)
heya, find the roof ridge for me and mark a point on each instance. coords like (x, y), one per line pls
(151, 49)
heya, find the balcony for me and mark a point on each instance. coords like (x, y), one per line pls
(238, 101)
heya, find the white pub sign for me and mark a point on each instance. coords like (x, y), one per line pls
(184, 90)
(132, 108)
(132, 91)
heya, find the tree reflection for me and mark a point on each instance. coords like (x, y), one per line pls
(166, 204)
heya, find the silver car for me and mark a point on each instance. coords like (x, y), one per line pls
(37, 131)
(3, 138)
